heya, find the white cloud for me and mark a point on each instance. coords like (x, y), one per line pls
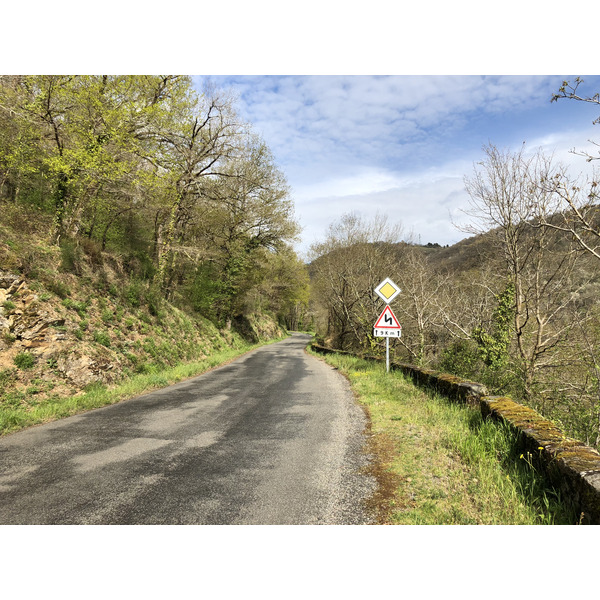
(400, 145)
(426, 204)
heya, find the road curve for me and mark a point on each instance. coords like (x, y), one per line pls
(274, 437)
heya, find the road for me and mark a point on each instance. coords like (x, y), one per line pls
(274, 437)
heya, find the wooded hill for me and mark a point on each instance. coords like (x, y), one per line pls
(514, 307)
(142, 223)
(169, 179)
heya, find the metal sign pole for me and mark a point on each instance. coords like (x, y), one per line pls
(387, 354)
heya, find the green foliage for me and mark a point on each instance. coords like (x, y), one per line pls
(461, 358)
(493, 347)
(24, 360)
(70, 257)
(442, 462)
(102, 337)
(154, 300)
(133, 294)
(79, 307)
(77, 150)
(203, 291)
(7, 376)
(8, 305)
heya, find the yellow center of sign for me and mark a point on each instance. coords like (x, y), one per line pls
(388, 290)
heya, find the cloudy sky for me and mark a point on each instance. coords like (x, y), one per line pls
(402, 145)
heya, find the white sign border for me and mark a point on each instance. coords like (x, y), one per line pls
(382, 284)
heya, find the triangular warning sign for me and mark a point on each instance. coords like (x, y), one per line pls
(387, 320)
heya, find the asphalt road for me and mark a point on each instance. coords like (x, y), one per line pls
(272, 438)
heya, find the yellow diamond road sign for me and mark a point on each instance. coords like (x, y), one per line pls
(387, 290)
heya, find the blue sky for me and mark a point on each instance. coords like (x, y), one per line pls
(401, 145)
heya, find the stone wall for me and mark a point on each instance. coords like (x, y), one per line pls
(568, 464)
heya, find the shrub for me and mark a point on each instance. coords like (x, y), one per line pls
(101, 337)
(129, 323)
(79, 307)
(8, 305)
(24, 360)
(133, 294)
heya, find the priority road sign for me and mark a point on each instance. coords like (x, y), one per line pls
(387, 290)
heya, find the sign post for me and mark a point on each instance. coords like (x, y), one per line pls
(387, 324)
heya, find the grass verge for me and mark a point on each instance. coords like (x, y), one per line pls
(13, 418)
(439, 463)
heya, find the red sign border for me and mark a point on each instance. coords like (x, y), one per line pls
(378, 326)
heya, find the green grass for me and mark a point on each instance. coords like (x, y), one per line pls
(440, 462)
(18, 411)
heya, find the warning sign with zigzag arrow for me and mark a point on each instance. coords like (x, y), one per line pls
(387, 325)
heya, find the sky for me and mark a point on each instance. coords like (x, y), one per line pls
(401, 145)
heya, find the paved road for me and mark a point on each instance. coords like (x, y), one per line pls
(272, 438)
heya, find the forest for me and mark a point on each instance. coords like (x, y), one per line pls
(168, 179)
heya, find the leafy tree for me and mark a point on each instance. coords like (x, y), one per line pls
(246, 214)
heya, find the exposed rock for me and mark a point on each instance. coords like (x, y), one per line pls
(31, 326)
(78, 368)
(7, 280)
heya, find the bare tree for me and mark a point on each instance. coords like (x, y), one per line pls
(423, 304)
(346, 268)
(570, 92)
(506, 196)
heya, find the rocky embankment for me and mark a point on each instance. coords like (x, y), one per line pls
(53, 345)
(35, 330)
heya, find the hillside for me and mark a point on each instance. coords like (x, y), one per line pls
(143, 224)
(72, 318)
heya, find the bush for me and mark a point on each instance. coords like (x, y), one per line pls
(461, 358)
(24, 360)
(154, 300)
(8, 305)
(79, 307)
(133, 294)
(101, 337)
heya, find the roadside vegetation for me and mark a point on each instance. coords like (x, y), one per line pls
(515, 307)
(439, 463)
(143, 226)
(26, 411)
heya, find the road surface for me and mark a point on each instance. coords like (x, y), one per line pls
(274, 437)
